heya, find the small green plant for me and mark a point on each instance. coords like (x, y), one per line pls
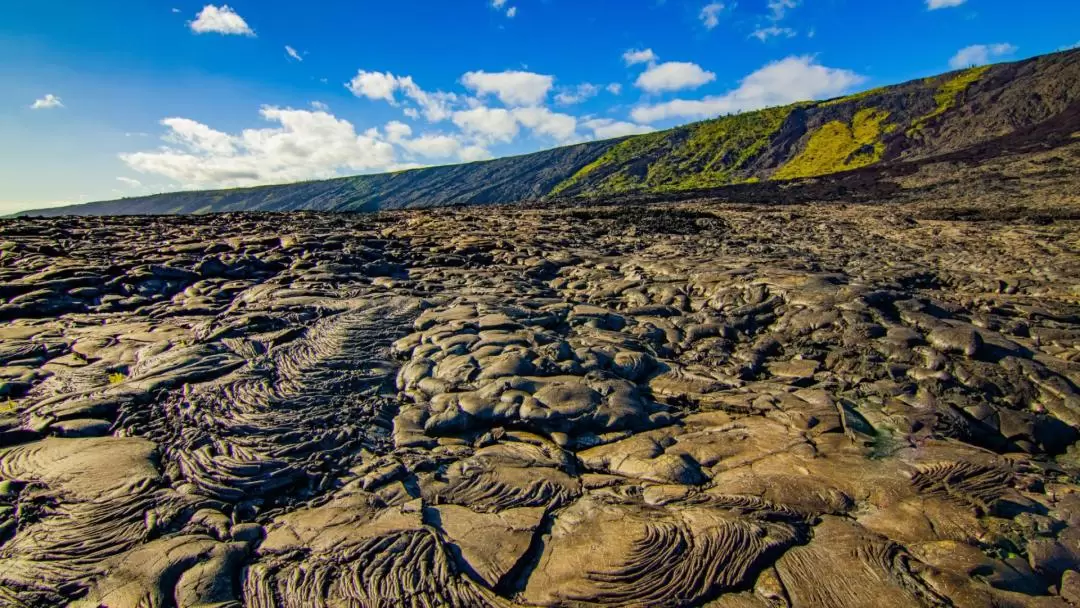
(116, 378)
(8, 406)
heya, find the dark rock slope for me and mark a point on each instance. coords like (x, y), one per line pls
(947, 114)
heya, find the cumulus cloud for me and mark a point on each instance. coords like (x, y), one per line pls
(607, 128)
(291, 52)
(490, 124)
(397, 131)
(542, 121)
(374, 85)
(710, 15)
(470, 154)
(772, 31)
(936, 4)
(486, 125)
(513, 88)
(47, 102)
(574, 95)
(511, 12)
(220, 20)
(384, 86)
(634, 56)
(781, 82)
(673, 76)
(129, 182)
(433, 146)
(980, 54)
(614, 88)
(304, 145)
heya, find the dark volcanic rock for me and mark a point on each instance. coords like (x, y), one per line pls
(703, 404)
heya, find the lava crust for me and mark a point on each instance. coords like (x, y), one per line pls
(701, 404)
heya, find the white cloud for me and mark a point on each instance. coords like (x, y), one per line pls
(129, 182)
(220, 20)
(176, 10)
(634, 56)
(779, 8)
(936, 4)
(318, 105)
(470, 154)
(397, 131)
(513, 88)
(490, 124)
(614, 88)
(499, 5)
(764, 33)
(606, 128)
(197, 136)
(574, 95)
(780, 82)
(433, 146)
(305, 145)
(47, 102)
(291, 52)
(980, 54)
(561, 127)
(374, 85)
(710, 15)
(673, 76)
(379, 85)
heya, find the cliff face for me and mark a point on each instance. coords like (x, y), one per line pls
(911, 121)
(947, 114)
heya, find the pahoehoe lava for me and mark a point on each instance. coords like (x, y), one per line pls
(683, 405)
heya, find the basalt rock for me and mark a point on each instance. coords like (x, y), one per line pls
(821, 405)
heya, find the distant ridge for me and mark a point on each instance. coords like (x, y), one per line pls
(916, 120)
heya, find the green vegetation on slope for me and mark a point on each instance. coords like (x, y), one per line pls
(622, 153)
(703, 155)
(948, 94)
(836, 146)
(717, 150)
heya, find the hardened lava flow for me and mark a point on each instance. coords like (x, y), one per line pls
(693, 405)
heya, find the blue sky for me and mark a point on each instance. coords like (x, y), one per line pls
(128, 97)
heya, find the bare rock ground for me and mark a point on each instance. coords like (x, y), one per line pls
(701, 404)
